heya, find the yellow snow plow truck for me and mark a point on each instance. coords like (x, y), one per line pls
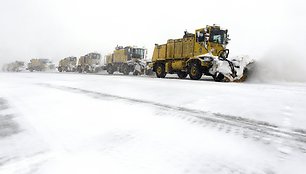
(202, 52)
(16, 66)
(68, 64)
(40, 65)
(89, 63)
(126, 59)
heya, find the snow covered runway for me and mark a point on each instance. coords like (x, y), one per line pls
(76, 123)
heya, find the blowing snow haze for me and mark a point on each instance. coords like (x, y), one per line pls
(60, 28)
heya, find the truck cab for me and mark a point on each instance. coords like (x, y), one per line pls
(211, 39)
(89, 63)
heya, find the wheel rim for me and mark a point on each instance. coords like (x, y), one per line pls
(193, 71)
(159, 70)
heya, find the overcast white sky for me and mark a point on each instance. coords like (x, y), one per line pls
(59, 28)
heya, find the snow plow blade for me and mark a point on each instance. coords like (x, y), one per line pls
(243, 69)
(233, 70)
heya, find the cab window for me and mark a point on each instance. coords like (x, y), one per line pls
(200, 35)
(218, 36)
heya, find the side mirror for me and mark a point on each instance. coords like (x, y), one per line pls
(223, 54)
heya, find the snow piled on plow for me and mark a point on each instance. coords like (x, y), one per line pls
(241, 63)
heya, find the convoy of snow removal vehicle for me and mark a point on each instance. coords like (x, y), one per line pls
(195, 54)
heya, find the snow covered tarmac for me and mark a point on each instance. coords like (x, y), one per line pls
(81, 123)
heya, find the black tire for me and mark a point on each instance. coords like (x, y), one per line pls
(126, 70)
(218, 77)
(97, 69)
(80, 69)
(110, 69)
(195, 71)
(135, 73)
(149, 72)
(160, 70)
(86, 70)
(182, 74)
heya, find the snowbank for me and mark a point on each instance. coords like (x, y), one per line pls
(82, 123)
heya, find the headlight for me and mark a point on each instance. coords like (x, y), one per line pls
(205, 58)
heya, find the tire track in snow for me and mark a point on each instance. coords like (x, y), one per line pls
(8, 126)
(257, 130)
(16, 156)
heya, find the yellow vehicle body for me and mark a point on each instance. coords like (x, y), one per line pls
(178, 55)
(40, 65)
(67, 64)
(89, 63)
(120, 55)
(124, 59)
(14, 66)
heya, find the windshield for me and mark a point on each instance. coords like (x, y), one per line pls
(95, 56)
(44, 60)
(200, 35)
(72, 58)
(138, 53)
(217, 36)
